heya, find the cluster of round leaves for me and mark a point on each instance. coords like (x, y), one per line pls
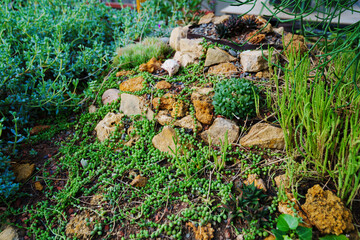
(235, 98)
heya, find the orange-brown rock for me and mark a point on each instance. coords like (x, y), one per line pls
(133, 84)
(263, 74)
(326, 211)
(35, 130)
(124, 73)
(139, 181)
(295, 44)
(204, 111)
(255, 38)
(258, 182)
(226, 69)
(151, 66)
(163, 85)
(38, 186)
(202, 232)
(179, 109)
(166, 102)
(23, 171)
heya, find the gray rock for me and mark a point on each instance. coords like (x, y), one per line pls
(233, 53)
(192, 46)
(177, 34)
(186, 58)
(106, 126)
(264, 135)
(253, 61)
(110, 95)
(216, 56)
(164, 141)
(218, 130)
(188, 122)
(130, 104)
(9, 233)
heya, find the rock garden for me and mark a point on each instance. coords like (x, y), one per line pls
(223, 130)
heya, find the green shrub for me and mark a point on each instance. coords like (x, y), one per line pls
(235, 98)
(51, 50)
(135, 54)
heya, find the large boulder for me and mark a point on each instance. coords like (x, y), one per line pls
(176, 35)
(218, 130)
(106, 126)
(216, 56)
(326, 211)
(255, 61)
(164, 141)
(264, 135)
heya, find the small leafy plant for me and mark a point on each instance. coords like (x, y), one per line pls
(235, 98)
(287, 228)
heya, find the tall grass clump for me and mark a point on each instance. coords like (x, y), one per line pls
(133, 55)
(319, 115)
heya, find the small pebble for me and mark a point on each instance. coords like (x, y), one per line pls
(233, 53)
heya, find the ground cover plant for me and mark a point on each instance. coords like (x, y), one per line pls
(124, 187)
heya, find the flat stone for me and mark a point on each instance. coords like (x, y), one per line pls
(192, 46)
(226, 69)
(206, 18)
(264, 135)
(186, 58)
(164, 141)
(133, 84)
(218, 130)
(131, 104)
(253, 61)
(204, 111)
(163, 118)
(177, 34)
(23, 171)
(106, 126)
(220, 19)
(110, 96)
(9, 233)
(163, 85)
(188, 122)
(216, 56)
(279, 30)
